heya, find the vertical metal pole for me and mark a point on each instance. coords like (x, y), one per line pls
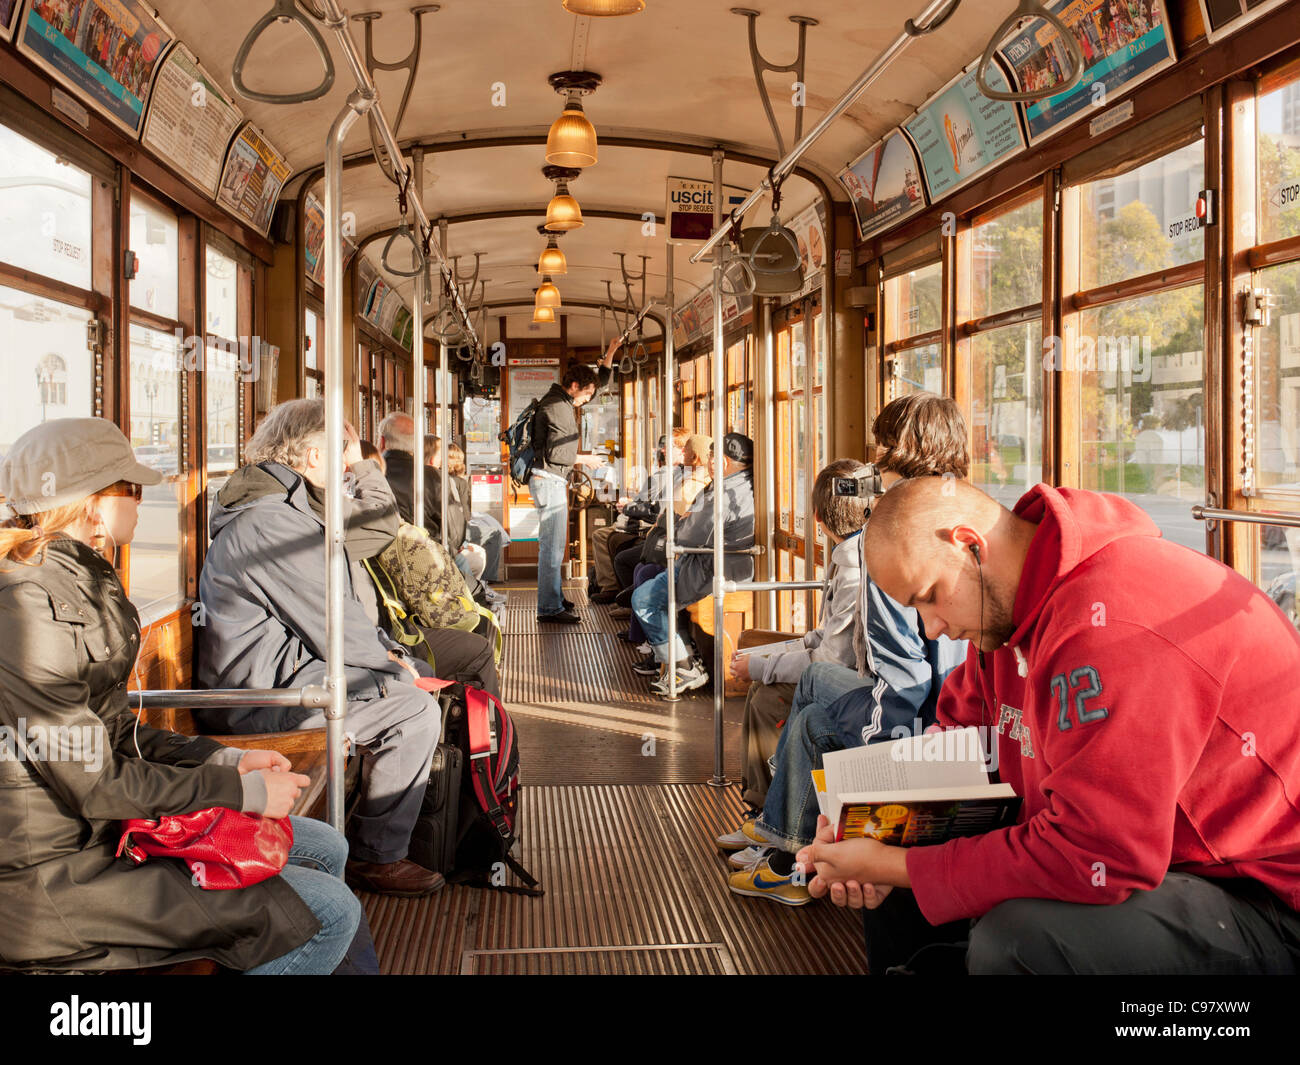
(417, 357)
(444, 387)
(768, 413)
(670, 515)
(719, 431)
(336, 563)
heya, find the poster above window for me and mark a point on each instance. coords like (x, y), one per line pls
(884, 184)
(8, 16)
(253, 176)
(106, 54)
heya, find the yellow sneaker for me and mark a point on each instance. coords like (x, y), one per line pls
(761, 882)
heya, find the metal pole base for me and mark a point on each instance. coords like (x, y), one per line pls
(718, 782)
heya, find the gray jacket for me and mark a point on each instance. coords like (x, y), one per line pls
(263, 595)
(695, 572)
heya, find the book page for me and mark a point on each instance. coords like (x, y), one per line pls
(949, 759)
(764, 650)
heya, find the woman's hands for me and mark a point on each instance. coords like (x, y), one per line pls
(255, 760)
(282, 785)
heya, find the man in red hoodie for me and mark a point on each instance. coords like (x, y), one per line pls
(1143, 699)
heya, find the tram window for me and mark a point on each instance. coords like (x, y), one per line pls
(914, 302)
(1006, 261)
(1141, 221)
(1278, 550)
(1277, 385)
(1277, 116)
(1006, 410)
(222, 371)
(1142, 406)
(45, 214)
(156, 402)
(918, 369)
(155, 240)
(49, 370)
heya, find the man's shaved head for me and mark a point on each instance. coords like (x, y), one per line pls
(918, 549)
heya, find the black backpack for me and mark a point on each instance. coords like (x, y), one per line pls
(519, 438)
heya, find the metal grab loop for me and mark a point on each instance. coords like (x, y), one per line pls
(476, 372)
(742, 283)
(913, 30)
(626, 365)
(403, 230)
(450, 332)
(775, 231)
(1030, 9)
(282, 11)
(640, 353)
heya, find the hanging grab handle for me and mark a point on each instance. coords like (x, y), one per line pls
(446, 328)
(640, 353)
(758, 258)
(738, 278)
(1028, 9)
(417, 269)
(282, 11)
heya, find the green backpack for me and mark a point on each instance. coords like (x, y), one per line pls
(420, 586)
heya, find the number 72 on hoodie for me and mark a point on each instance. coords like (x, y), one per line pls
(1089, 682)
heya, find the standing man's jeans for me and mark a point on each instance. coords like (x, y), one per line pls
(399, 732)
(315, 872)
(650, 605)
(551, 496)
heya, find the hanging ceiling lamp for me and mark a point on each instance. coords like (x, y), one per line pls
(548, 295)
(572, 139)
(552, 260)
(563, 212)
(543, 314)
(604, 8)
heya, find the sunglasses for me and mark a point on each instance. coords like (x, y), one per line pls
(125, 488)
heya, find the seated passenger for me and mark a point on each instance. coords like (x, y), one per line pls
(894, 687)
(1141, 697)
(263, 592)
(369, 451)
(490, 535)
(772, 677)
(397, 442)
(694, 572)
(472, 558)
(72, 637)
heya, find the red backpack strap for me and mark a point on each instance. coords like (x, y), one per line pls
(482, 745)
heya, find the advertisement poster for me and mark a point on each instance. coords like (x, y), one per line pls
(961, 132)
(1124, 42)
(104, 50)
(8, 10)
(190, 120)
(255, 173)
(809, 228)
(884, 184)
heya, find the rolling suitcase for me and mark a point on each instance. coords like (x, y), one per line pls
(433, 839)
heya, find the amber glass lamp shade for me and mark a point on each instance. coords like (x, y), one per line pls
(548, 295)
(604, 8)
(543, 314)
(563, 213)
(572, 139)
(552, 262)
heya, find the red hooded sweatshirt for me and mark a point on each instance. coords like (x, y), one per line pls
(1147, 709)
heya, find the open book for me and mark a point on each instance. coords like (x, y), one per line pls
(924, 789)
(764, 650)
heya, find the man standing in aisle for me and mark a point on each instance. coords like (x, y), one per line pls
(555, 442)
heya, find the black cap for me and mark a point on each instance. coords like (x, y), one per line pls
(739, 448)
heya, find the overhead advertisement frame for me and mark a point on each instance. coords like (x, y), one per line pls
(8, 17)
(960, 133)
(252, 178)
(1224, 17)
(884, 184)
(105, 51)
(1123, 44)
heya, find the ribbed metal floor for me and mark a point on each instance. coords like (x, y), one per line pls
(618, 825)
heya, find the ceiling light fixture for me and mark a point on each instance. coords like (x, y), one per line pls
(563, 212)
(552, 260)
(543, 314)
(548, 295)
(572, 139)
(604, 8)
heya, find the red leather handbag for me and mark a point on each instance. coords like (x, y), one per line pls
(224, 848)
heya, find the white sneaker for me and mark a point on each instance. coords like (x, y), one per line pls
(644, 649)
(749, 857)
(689, 677)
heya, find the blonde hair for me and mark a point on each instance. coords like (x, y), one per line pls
(456, 461)
(23, 539)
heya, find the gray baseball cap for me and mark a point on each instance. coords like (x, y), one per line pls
(64, 461)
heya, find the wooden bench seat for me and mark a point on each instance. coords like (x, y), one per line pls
(737, 616)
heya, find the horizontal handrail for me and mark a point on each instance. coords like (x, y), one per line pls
(755, 550)
(1289, 521)
(312, 696)
(771, 586)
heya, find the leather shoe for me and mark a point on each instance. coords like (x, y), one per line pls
(402, 878)
(565, 617)
(568, 603)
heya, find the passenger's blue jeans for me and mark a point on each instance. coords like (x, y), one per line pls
(493, 542)
(644, 571)
(315, 872)
(552, 499)
(790, 809)
(650, 605)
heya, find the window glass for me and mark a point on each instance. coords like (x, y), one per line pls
(155, 239)
(1142, 417)
(155, 429)
(1278, 120)
(798, 410)
(222, 295)
(49, 371)
(222, 376)
(914, 302)
(44, 212)
(1142, 221)
(1277, 384)
(1006, 415)
(312, 342)
(917, 370)
(1279, 567)
(1006, 261)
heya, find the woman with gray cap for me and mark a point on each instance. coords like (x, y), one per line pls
(77, 761)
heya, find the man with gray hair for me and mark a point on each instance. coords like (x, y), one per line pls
(263, 626)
